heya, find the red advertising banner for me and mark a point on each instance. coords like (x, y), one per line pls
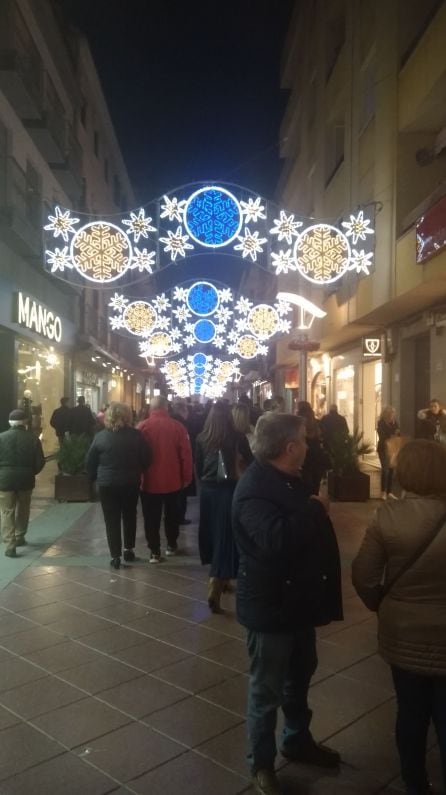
(431, 231)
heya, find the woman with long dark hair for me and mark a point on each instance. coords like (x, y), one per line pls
(221, 454)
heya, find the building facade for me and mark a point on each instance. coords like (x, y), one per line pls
(365, 125)
(57, 146)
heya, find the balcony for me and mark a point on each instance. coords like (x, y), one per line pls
(20, 63)
(69, 172)
(49, 130)
(20, 213)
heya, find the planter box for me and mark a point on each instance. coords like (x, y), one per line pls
(73, 488)
(349, 488)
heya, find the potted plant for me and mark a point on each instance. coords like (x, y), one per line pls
(72, 483)
(346, 483)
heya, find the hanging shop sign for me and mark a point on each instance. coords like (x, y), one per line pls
(33, 315)
(372, 346)
(209, 217)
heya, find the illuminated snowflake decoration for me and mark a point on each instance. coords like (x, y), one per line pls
(176, 243)
(252, 210)
(223, 314)
(182, 313)
(283, 308)
(139, 225)
(250, 245)
(283, 262)
(180, 294)
(173, 209)
(361, 262)
(213, 217)
(118, 302)
(322, 253)
(263, 321)
(161, 302)
(101, 252)
(285, 227)
(241, 324)
(143, 260)
(243, 306)
(164, 323)
(116, 322)
(58, 259)
(201, 374)
(157, 345)
(61, 224)
(139, 318)
(225, 295)
(358, 227)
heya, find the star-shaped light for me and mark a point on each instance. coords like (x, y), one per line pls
(189, 341)
(358, 227)
(262, 350)
(223, 314)
(360, 261)
(283, 262)
(233, 336)
(163, 322)
(225, 295)
(284, 325)
(252, 210)
(116, 322)
(189, 327)
(139, 225)
(161, 302)
(285, 227)
(180, 294)
(61, 224)
(243, 305)
(58, 259)
(176, 347)
(175, 333)
(219, 342)
(143, 260)
(182, 313)
(241, 324)
(118, 302)
(172, 209)
(231, 349)
(250, 245)
(282, 308)
(176, 243)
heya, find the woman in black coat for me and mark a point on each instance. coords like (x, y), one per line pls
(116, 459)
(221, 453)
(386, 428)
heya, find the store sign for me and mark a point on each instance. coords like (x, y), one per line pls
(38, 318)
(371, 346)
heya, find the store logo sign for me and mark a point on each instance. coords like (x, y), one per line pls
(38, 318)
(371, 346)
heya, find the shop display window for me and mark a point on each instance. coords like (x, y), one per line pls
(40, 385)
(345, 393)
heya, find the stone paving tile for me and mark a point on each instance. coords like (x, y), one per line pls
(232, 694)
(78, 625)
(194, 674)
(22, 747)
(131, 751)
(113, 639)
(15, 672)
(143, 695)
(67, 654)
(189, 774)
(338, 701)
(232, 653)
(99, 674)
(228, 749)
(194, 639)
(157, 624)
(80, 722)
(192, 721)
(34, 698)
(65, 774)
(150, 655)
(33, 639)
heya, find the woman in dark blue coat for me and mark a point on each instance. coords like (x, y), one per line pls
(116, 459)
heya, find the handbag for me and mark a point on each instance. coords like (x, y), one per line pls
(414, 558)
(222, 472)
(392, 446)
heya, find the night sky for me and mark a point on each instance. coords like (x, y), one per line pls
(193, 87)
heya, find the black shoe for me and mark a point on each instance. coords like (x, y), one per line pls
(129, 555)
(265, 782)
(10, 552)
(115, 563)
(312, 753)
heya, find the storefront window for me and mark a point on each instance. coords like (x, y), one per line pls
(319, 394)
(40, 385)
(345, 393)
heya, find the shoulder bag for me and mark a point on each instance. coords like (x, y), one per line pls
(222, 472)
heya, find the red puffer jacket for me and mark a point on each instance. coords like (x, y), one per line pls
(171, 467)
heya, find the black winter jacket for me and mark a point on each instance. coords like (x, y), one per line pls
(289, 575)
(21, 459)
(117, 458)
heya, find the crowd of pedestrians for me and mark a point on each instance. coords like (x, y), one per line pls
(264, 521)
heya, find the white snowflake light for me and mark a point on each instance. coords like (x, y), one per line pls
(180, 294)
(361, 262)
(283, 307)
(61, 224)
(116, 322)
(175, 333)
(241, 324)
(182, 313)
(223, 314)
(219, 342)
(173, 209)
(243, 305)
(143, 260)
(250, 245)
(118, 302)
(283, 262)
(189, 341)
(189, 328)
(284, 325)
(176, 243)
(139, 225)
(161, 302)
(225, 295)
(285, 227)
(252, 210)
(58, 259)
(358, 227)
(163, 322)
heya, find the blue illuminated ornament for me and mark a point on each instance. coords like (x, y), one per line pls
(204, 331)
(199, 369)
(199, 358)
(203, 299)
(213, 217)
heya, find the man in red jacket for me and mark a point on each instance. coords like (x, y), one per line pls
(169, 473)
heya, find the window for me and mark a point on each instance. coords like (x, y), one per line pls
(334, 151)
(96, 143)
(106, 169)
(33, 197)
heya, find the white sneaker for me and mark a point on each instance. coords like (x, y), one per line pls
(384, 495)
(171, 552)
(155, 558)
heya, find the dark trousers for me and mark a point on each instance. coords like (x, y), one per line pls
(119, 502)
(152, 508)
(280, 675)
(182, 504)
(420, 699)
(386, 473)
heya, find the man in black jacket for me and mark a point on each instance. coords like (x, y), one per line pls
(21, 459)
(61, 419)
(288, 583)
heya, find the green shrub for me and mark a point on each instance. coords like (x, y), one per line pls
(72, 453)
(346, 450)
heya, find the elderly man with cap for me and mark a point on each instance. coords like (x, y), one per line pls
(21, 459)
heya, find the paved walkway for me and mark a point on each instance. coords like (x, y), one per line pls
(123, 682)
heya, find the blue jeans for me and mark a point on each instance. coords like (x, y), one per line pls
(420, 699)
(280, 674)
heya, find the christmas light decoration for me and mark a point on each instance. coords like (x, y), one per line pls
(247, 347)
(173, 209)
(157, 345)
(203, 299)
(285, 227)
(204, 331)
(322, 253)
(58, 259)
(200, 375)
(139, 318)
(263, 321)
(61, 224)
(283, 262)
(213, 216)
(176, 243)
(100, 252)
(307, 310)
(250, 245)
(361, 262)
(139, 225)
(252, 210)
(358, 227)
(143, 260)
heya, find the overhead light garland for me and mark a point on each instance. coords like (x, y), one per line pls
(200, 374)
